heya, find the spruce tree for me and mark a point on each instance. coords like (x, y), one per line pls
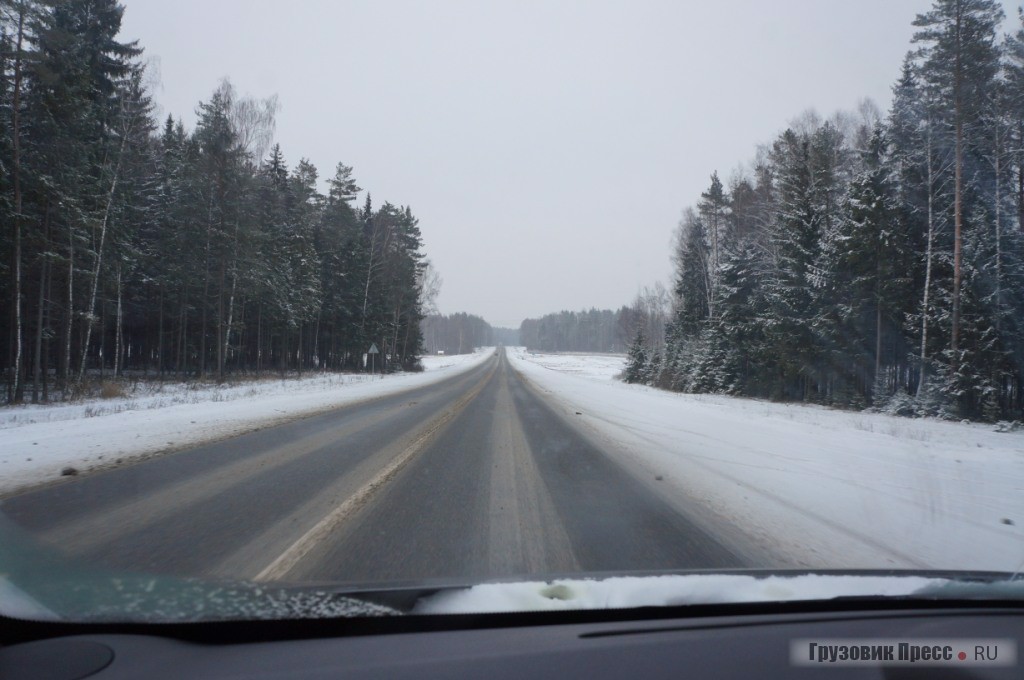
(636, 359)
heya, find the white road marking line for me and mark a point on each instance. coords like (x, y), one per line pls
(287, 560)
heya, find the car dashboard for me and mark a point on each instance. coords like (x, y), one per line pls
(640, 643)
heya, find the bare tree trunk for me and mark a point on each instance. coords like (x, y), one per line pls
(16, 390)
(332, 357)
(231, 312)
(222, 330)
(878, 342)
(957, 240)
(1020, 176)
(118, 341)
(369, 276)
(405, 340)
(45, 364)
(316, 340)
(713, 274)
(284, 351)
(40, 311)
(181, 339)
(65, 368)
(46, 321)
(98, 263)
(102, 353)
(370, 265)
(928, 264)
(878, 322)
(394, 336)
(44, 277)
(205, 302)
(243, 343)
(37, 363)
(958, 188)
(160, 336)
(999, 233)
(259, 338)
(221, 335)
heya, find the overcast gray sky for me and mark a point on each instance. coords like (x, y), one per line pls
(548, 148)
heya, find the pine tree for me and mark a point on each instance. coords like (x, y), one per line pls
(960, 60)
(713, 209)
(337, 244)
(636, 359)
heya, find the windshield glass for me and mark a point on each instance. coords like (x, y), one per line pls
(359, 308)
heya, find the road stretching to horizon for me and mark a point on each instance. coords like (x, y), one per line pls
(471, 478)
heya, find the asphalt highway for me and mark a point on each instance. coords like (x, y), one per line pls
(472, 478)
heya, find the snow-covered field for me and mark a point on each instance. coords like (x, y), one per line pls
(810, 486)
(38, 442)
(587, 365)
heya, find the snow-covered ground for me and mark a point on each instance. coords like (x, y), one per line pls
(38, 442)
(666, 591)
(810, 486)
(587, 365)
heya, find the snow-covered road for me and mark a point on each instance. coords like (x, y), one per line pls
(816, 487)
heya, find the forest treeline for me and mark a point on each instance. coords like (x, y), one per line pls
(869, 260)
(594, 330)
(463, 333)
(602, 330)
(132, 244)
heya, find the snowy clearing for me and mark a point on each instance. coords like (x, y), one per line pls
(812, 486)
(38, 442)
(587, 365)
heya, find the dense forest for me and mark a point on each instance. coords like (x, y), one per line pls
(463, 334)
(602, 330)
(596, 330)
(869, 260)
(135, 245)
(505, 336)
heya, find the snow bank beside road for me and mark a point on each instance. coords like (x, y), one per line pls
(37, 442)
(813, 486)
(155, 395)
